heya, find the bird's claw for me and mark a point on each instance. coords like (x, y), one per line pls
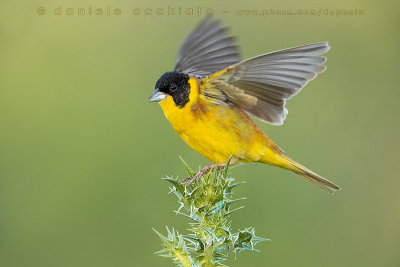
(197, 177)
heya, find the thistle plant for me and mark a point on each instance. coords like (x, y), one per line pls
(207, 205)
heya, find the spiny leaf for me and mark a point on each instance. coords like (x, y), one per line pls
(246, 240)
(177, 185)
(226, 167)
(188, 169)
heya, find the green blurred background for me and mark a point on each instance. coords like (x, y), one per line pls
(82, 151)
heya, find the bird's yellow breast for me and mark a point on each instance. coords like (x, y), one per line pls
(215, 131)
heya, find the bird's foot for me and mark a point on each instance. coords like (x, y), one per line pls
(196, 178)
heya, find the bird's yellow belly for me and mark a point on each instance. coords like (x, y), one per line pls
(216, 132)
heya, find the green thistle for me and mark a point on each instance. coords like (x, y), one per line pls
(208, 205)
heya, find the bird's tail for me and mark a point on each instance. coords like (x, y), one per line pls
(310, 176)
(279, 158)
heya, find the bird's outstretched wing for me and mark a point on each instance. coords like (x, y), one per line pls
(261, 85)
(206, 50)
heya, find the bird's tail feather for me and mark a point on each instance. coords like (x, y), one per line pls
(312, 176)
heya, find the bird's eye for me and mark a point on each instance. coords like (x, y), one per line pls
(173, 87)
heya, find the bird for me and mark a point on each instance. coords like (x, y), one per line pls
(210, 94)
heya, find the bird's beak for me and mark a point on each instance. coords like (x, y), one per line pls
(157, 96)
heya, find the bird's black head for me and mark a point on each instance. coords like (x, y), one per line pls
(175, 84)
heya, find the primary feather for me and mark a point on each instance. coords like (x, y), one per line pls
(206, 50)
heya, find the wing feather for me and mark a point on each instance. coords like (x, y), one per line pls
(206, 50)
(262, 84)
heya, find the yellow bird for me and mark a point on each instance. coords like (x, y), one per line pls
(211, 91)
